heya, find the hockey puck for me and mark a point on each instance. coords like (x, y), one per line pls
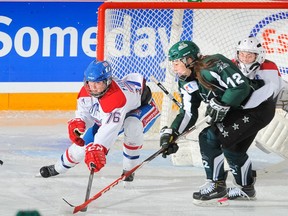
(1, 162)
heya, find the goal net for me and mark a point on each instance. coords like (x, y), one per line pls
(136, 37)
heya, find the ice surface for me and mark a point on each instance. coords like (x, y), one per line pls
(30, 140)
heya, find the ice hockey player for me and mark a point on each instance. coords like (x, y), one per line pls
(250, 59)
(218, 82)
(107, 106)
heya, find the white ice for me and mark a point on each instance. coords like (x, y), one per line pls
(30, 140)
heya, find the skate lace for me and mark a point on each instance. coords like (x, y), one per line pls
(52, 170)
(237, 192)
(207, 188)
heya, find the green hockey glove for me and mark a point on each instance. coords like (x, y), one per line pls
(216, 110)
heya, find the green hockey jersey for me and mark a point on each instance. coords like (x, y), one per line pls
(230, 87)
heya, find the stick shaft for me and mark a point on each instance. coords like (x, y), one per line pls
(89, 186)
(166, 91)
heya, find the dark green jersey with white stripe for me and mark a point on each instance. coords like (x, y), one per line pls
(231, 88)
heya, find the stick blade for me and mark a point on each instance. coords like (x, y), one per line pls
(79, 208)
(68, 202)
(84, 209)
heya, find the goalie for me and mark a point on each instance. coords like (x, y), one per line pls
(107, 106)
(250, 58)
(235, 119)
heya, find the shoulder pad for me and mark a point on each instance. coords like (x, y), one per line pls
(83, 93)
(269, 65)
(114, 98)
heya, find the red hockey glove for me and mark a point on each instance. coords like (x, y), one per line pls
(76, 127)
(95, 156)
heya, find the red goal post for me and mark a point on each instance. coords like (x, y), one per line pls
(136, 36)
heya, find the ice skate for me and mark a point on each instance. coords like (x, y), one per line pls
(246, 192)
(242, 193)
(128, 180)
(48, 171)
(211, 194)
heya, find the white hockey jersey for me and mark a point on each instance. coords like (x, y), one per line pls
(109, 111)
(273, 84)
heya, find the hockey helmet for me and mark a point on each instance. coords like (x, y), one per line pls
(184, 49)
(98, 71)
(252, 45)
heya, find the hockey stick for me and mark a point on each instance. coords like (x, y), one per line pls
(116, 182)
(166, 91)
(89, 187)
(87, 191)
(122, 177)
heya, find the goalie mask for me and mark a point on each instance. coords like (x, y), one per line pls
(98, 72)
(183, 50)
(251, 45)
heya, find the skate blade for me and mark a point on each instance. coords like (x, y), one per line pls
(38, 175)
(128, 185)
(213, 203)
(244, 199)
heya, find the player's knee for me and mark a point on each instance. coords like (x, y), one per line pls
(208, 137)
(133, 140)
(133, 130)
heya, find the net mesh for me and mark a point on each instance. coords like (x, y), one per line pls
(137, 40)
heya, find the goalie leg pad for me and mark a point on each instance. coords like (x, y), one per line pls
(274, 136)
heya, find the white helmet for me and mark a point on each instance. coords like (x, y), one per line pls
(250, 44)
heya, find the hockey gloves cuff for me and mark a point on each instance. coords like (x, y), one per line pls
(76, 127)
(167, 141)
(216, 110)
(95, 156)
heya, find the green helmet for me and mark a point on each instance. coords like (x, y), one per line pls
(184, 49)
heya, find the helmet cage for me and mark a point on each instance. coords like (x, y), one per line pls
(176, 75)
(98, 72)
(251, 45)
(97, 95)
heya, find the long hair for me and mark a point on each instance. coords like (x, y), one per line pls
(200, 64)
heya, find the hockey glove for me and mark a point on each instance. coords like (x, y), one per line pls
(216, 110)
(167, 138)
(76, 127)
(95, 156)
